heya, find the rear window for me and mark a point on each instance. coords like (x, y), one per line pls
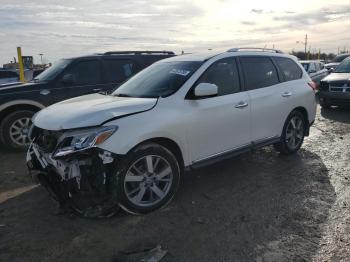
(117, 71)
(259, 72)
(290, 70)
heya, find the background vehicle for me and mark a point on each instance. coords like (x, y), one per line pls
(180, 113)
(8, 76)
(68, 78)
(315, 69)
(336, 61)
(335, 89)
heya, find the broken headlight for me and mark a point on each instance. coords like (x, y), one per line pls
(79, 140)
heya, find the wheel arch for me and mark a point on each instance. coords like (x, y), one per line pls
(17, 105)
(169, 144)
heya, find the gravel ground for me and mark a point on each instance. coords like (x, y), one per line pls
(259, 206)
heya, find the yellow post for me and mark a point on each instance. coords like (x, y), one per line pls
(20, 63)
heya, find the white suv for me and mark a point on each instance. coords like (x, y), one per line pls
(129, 148)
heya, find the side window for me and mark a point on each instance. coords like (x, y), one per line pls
(259, 72)
(289, 68)
(317, 65)
(86, 72)
(117, 71)
(321, 66)
(312, 67)
(224, 74)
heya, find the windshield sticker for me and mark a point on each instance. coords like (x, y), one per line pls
(181, 72)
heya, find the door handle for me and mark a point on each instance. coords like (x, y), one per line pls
(97, 90)
(286, 94)
(241, 104)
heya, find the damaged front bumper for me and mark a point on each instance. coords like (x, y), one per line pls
(85, 182)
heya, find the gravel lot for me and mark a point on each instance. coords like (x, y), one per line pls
(259, 206)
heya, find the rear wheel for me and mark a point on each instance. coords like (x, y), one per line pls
(293, 134)
(14, 129)
(148, 179)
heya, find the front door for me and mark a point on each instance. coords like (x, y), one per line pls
(81, 78)
(220, 123)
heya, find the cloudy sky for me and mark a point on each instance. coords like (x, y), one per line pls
(74, 27)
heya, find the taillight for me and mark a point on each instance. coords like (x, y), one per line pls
(313, 85)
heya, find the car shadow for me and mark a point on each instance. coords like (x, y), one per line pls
(259, 206)
(339, 114)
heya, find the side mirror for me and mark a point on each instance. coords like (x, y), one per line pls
(68, 79)
(312, 71)
(205, 89)
(331, 70)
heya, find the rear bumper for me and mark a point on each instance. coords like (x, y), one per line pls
(335, 98)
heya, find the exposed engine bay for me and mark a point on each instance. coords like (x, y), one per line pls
(83, 181)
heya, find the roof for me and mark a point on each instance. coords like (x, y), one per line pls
(235, 51)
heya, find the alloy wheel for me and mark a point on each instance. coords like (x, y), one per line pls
(148, 180)
(19, 131)
(295, 132)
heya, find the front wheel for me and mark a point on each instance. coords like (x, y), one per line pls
(148, 179)
(293, 134)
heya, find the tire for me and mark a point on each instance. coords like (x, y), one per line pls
(292, 131)
(324, 104)
(148, 179)
(14, 128)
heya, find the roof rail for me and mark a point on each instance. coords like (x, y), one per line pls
(139, 52)
(254, 49)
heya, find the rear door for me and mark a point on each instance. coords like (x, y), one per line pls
(117, 71)
(86, 76)
(269, 97)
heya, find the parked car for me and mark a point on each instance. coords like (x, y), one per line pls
(335, 88)
(336, 61)
(130, 148)
(66, 79)
(8, 76)
(315, 69)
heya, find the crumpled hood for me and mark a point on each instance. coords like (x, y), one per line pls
(89, 110)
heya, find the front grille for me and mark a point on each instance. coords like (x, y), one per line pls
(339, 89)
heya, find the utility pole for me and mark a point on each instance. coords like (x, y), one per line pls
(41, 58)
(305, 43)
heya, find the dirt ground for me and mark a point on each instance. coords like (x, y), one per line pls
(259, 206)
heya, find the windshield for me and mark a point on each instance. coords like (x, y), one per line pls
(339, 58)
(52, 71)
(306, 66)
(159, 80)
(343, 67)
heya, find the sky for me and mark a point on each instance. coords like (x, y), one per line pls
(67, 28)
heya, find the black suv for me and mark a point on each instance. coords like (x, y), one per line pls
(334, 89)
(66, 79)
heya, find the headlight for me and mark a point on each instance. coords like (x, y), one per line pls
(79, 140)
